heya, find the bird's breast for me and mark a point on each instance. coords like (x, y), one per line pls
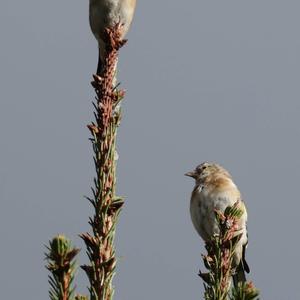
(103, 14)
(203, 203)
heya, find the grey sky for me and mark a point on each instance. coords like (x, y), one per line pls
(205, 80)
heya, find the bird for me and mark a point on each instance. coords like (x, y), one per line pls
(215, 190)
(107, 14)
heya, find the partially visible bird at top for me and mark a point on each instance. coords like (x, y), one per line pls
(106, 14)
(215, 189)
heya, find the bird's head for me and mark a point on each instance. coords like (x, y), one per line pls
(205, 170)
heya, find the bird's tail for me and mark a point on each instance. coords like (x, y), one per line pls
(100, 63)
(239, 275)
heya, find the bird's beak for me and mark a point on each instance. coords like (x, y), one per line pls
(191, 174)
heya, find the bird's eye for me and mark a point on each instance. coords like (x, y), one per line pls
(200, 169)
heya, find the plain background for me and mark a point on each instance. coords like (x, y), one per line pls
(205, 80)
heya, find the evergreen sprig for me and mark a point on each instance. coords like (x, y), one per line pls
(219, 260)
(62, 265)
(245, 291)
(107, 206)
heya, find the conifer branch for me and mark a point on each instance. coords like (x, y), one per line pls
(107, 206)
(62, 265)
(219, 260)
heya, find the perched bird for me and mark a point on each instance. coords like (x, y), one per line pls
(215, 189)
(106, 14)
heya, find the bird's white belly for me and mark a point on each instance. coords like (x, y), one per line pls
(202, 210)
(109, 13)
